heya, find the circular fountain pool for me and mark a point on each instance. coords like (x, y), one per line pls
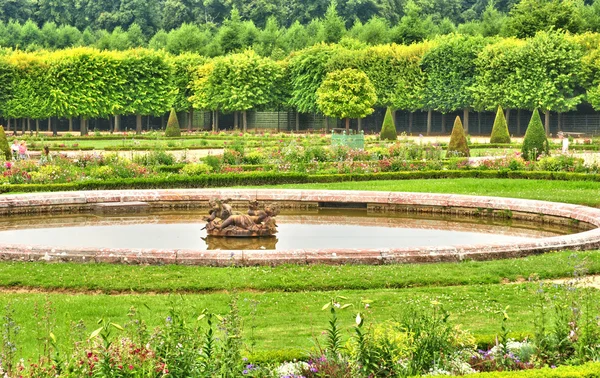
(322, 228)
(165, 226)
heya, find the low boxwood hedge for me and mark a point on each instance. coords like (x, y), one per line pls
(589, 370)
(276, 178)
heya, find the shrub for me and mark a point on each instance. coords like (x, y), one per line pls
(388, 129)
(4, 147)
(535, 142)
(254, 157)
(172, 129)
(196, 169)
(155, 158)
(500, 129)
(458, 140)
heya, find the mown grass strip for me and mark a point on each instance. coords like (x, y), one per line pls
(279, 321)
(109, 278)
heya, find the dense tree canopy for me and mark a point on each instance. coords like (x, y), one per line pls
(274, 28)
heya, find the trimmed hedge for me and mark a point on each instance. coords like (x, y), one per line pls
(535, 142)
(458, 141)
(589, 370)
(500, 129)
(276, 178)
(172, 130)
(388, 129)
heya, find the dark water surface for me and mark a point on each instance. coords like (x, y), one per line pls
(318, 229)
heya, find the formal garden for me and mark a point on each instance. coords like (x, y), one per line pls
(533, 316)
(79, 119)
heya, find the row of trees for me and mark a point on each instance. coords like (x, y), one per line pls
(276, 38)
(551, 71)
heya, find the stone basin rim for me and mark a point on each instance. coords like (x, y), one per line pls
(427, 254)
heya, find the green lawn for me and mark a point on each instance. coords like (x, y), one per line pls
(109, 278)
(279, 320)
(281, 305)
(578, 192)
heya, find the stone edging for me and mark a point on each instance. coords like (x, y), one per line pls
(86, 199)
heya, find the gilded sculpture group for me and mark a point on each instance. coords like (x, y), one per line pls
(224, 221)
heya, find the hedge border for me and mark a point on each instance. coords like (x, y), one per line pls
(277, 178)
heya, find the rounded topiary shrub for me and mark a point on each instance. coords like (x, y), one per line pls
(388, 129)
(458, 141)
(500, 129)
(4, 147)
(172, 129)
(535, 142)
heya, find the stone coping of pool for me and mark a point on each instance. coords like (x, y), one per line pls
(30, 252)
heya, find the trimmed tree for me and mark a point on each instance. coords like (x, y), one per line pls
(500, 129)
(173, 129)
(388, 129)
(346, 94)
(535, 142)
(4, 147)
(458, 140)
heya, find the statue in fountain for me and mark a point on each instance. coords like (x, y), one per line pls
(223, 221)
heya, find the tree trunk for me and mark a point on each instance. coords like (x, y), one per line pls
(326, 124)
(138, 124)
(54, 127)
(235, 121)
(245, 120)
(359, 124)
(347, 125)
(443, 123)
(558, 121)
(70, 125)
(190, 119)
(507, 116)
(117, 127)
(547, 121)
(49, 124)
(429, 114)
(479, 122)
(518, 122)
(466, 120)
(37, 126)
(29, 125)
(8, 124)
(410, 121)
(297, 121)
(148, 123)
(83, 127)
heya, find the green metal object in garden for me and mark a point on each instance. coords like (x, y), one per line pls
(351, 140)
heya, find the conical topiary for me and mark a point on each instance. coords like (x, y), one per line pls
(388, 129)
(535, 142)
(4, 147)
(500, 130)
(458, 141)
(172, 129)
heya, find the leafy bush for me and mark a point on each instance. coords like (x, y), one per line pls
(196, 169)
(214, 162)
(4, 147)
(535, 142)
(155, 158)
(254, 157)
(388, 129)
(500, 132)
(173, 129)
(458, 141)
(561, 163)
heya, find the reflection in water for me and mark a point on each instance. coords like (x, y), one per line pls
(233, 243)
(297, 230)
